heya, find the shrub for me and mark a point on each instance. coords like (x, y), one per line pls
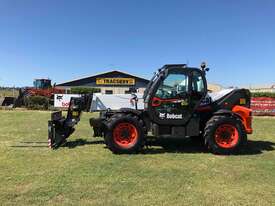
(37, 102)
(263, 94)
(84, 90)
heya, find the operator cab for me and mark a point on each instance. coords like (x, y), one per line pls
(174, 93)
(42, 83)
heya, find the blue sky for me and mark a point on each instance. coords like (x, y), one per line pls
(67, 39)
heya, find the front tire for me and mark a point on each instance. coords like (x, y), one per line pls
(224, 135)
(125, 134)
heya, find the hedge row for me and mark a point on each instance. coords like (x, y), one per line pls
(37, 102)
(84, 90)
(263, 94)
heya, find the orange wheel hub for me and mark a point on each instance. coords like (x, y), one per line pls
(226, 136)
(125, 135)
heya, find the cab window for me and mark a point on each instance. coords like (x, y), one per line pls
(197, 83)
(175, 85)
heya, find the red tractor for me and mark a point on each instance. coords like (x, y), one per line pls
(41, 87)
(176, 105)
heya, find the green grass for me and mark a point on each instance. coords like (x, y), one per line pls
(86, 173)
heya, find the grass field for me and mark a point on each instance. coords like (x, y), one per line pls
(84, 172)
(8, 93)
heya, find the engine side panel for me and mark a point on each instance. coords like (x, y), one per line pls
(241, 97)
(236, 103)
(192, 128)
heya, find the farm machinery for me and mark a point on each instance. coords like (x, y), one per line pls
(176, 105)
(41, 87)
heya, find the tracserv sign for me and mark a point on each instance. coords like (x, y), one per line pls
(115, 81)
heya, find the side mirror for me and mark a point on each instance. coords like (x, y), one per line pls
(203, 67)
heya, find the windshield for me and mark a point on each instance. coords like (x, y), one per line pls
(153, 79)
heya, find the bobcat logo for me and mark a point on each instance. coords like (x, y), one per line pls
(162, 115)
(170, 116)
(59, 97)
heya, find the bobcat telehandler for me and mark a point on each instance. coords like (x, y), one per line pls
(176, 104)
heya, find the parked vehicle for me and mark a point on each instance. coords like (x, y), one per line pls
(175, 105)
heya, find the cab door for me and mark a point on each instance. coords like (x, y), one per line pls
(176, 95)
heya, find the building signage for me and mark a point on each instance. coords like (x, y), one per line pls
(63, 100)
(115, 81)
(263, 106)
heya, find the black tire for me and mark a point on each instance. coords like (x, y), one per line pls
(135, 124)
(213, 139)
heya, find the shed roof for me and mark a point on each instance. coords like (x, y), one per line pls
(100, 75)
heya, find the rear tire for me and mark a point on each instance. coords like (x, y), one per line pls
(125, 134)
(224, 135)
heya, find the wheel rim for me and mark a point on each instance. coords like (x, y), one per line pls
(226, 136)
(125, 135)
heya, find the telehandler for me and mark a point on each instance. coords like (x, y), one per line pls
(176, 105)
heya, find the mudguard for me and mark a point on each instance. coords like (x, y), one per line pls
(244, 113)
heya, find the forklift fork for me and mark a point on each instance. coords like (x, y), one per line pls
(60, 127)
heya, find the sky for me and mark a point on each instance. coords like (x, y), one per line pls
(64, 40)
